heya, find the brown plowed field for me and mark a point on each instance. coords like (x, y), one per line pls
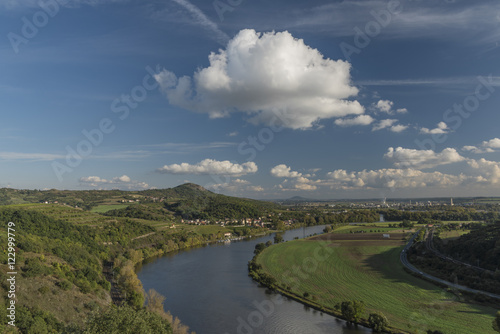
(367, 239)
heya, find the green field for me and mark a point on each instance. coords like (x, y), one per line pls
(105, 208)
(452, 234)
(371, 271)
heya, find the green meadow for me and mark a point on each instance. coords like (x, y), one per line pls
(370, 270)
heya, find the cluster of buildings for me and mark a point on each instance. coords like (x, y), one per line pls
(148, 199)
(255, 222)
(155, 199)
(129, 200)
(397, 204)
(237, 222)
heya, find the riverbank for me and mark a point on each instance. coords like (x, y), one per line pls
(369, 271)
(314, 305)
(137, 255)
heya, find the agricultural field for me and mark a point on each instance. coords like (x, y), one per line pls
(66, 213)
(364, 266)
(366, 229)
(106, 207)
(396, 238)
(446, 236)
(488, 200)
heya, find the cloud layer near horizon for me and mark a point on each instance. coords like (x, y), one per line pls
(119, 182)
(273, 77)
(210, 166)
(418, 159)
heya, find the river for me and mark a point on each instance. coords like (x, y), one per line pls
(208, 288)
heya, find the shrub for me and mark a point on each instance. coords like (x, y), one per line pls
(44, 289)
(378, 321)
(352, 310)
(34, 267)
(65, 285)
(92, 305)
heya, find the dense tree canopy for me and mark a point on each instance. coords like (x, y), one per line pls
(352, 310)
(126, 320)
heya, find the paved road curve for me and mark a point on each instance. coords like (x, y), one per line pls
(407, 264)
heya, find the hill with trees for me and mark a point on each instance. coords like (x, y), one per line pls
(74, 264)
(480, 247)
(188, 201)
(478, 252)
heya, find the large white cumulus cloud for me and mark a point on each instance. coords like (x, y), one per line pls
(284, 171)
(264, 74)
(489, 171)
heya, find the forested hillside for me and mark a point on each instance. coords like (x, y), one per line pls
(74, 263)
(479, 247)
(443, 213)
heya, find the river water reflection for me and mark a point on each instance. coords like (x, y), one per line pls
(208, 288)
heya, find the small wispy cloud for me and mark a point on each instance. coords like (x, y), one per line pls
(189, 147)
(201, 19)
(118, 155)
(473, 22)
(16, 4)
(122, 155)
(385, 123)
(359, 120)
(441, 128)
(488, 146)
(451, 81)
(30, 156)
(389, 124)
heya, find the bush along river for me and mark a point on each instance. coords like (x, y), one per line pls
(209, 289)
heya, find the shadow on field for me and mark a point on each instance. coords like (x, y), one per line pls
(471, 312)
(387, 264)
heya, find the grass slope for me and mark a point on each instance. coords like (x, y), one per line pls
(373, 273)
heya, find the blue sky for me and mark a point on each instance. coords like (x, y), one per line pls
(322, 99)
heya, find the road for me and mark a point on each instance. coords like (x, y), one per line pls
(404, 260)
